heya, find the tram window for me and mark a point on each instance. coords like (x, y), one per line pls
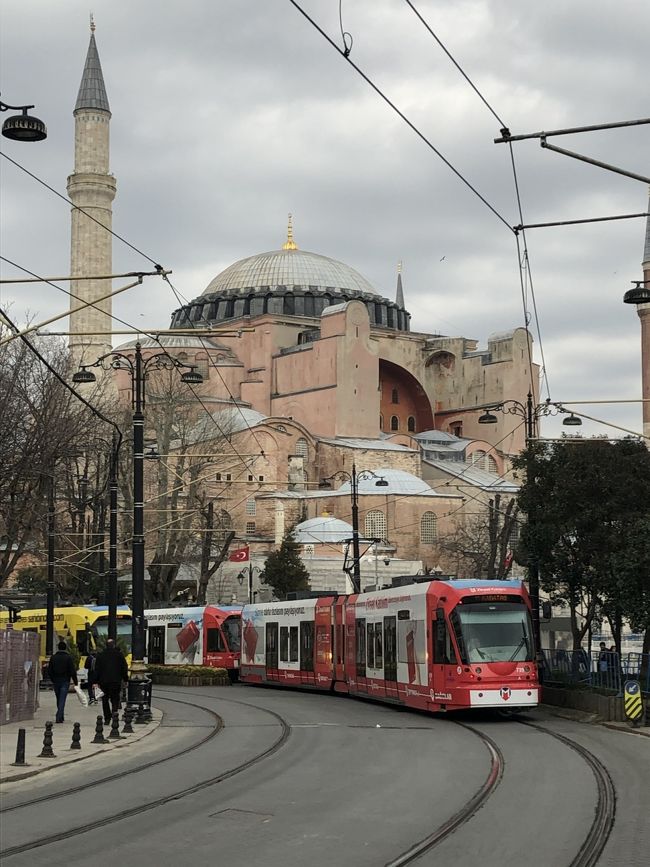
(214, 641)
(379, 655)
(306, 646)
(371, 645)
(293, 644)
(361, 647)
(284, 644)
(232, 632)
(444, 649)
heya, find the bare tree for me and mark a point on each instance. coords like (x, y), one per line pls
(482, 544)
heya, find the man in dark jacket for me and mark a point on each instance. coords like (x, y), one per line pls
(110, 670)
(61, 670)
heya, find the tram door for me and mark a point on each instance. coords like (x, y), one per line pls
(272, 647)
(390, 653)
(443, 650)
(156, 654)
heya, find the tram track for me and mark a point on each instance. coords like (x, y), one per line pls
(497, 766)
(277, 744)
(605, 813)
(136, 770)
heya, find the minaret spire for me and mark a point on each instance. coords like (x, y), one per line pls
(91, 189)
(399, 297)
(291, 244)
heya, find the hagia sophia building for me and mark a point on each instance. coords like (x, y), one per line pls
(313, 372)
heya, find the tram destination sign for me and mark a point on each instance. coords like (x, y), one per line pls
(491, 597)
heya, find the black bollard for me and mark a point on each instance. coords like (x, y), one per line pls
(140, 718)
(128, 718)
(20, 750)
(99, 732)
(76, 737)
(115, 727)
(47, 752)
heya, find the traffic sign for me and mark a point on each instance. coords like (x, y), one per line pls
(633, 700)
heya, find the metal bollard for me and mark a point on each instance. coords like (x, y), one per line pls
(128, 718)
(47, 752)
(140, 718)
(99, 732)
(20, 750)
(76, 737)
(115, 727)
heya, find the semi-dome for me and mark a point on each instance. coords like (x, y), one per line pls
(288, 282)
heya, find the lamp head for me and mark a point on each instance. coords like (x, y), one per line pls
(488, 418)
(572, 420)
(192, 377)
(639, 295)
(24, 127)
(83, 375)
(381, 482)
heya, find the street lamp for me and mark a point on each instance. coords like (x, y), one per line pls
(530, 414)
(248, 573)
(354, 478)
(22, 127)
(138, 368)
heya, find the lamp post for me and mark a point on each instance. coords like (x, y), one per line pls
(22, 127)
(354, 478)
(248, 574)
(51, 529)
(530, 413)
(138, 368)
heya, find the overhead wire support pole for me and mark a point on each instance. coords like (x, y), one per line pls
(506, 138)
(578, 222)
(594, 162)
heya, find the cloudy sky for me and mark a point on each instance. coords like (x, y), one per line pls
(228, 114)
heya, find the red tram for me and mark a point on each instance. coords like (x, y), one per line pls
(195, 635)
(437, 646)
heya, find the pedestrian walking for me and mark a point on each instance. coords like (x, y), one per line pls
(603, 663)
(110, 671)
(61, 671)
(91, 661)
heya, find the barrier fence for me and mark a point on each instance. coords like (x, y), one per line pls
(605, 669)
(19, 675)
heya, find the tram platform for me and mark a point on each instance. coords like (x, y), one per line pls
(62, 739)
(594, 719)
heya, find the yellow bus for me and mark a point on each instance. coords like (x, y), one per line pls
(84, 625)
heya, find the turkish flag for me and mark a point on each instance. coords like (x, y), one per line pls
(239, 556)
(507, 563)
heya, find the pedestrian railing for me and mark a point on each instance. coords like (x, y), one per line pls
(604, 669)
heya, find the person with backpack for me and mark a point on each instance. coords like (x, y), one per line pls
(61, 670)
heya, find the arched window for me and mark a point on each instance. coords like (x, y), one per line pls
(456, 428)
(394, 396)
(203, 366)
(493, 467)
(428, 528)
(411, 424)
(302, 448)
(478, 460)
(376, 524)
(394, 422)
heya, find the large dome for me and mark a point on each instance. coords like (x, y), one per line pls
(289, 282)
(289, 269)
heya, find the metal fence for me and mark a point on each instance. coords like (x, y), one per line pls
(19, 675)
(606, 669)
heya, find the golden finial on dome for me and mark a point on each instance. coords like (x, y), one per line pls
(92, 23)
(291, 244)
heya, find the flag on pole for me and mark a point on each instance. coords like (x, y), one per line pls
(507, 562)
(240, 555)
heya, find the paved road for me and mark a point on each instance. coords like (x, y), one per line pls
(350, 783)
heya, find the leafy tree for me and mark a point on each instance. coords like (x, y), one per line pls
(284, 570)
(582, 502)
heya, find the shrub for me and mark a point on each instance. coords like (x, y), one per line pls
(203, 671)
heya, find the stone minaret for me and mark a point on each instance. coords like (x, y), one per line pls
(644, 315)
(92, 188)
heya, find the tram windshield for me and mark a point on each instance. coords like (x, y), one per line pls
(100, 628)
(495, 632)
(232, 630)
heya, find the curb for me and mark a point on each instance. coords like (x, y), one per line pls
(629, 730)
(106, 748)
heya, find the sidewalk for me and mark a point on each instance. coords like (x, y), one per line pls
(62, 737)
(594, 719)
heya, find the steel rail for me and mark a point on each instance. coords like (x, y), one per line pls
(158, 802)
(100, 780)
(605, 812)
(497, 765)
